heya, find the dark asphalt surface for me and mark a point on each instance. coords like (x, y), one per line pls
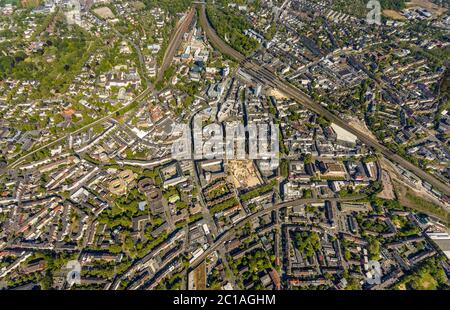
(271, 79)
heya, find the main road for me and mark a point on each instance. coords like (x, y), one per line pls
(175, 41)
(173, 45)
(142, 95)
(267, 77)
(230, 232)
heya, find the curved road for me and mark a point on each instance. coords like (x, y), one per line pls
(230, 232)
(173, 46)
(138, 52)
(269, 78)
(98, 121)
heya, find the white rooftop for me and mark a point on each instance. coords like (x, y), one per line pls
(343, 134)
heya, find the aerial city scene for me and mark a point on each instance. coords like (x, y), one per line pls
(224, 145)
